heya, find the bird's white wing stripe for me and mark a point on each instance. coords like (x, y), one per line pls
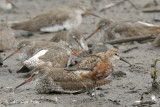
(147, 24)
(34, 61)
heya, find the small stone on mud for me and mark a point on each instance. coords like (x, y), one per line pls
(137, 68)
(8, 89)
(101, 95)
(119, 74)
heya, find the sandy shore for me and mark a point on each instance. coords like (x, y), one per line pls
(124, 89)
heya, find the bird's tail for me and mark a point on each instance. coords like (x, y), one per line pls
(21, 25)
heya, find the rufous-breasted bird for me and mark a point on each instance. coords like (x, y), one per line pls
(49, 79)
(96, 67)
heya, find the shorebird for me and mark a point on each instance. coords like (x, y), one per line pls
(35, 53)
(110, 29)
(7, 5)
(27, 48)
(57, 19)
(58, 56)
(96, 67)
(73, 37)
(49, 79)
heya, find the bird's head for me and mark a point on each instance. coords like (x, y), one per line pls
(37, 73)
(102, 25)
(23, 44)
(113, 56)
(79, 41)
(81, 9)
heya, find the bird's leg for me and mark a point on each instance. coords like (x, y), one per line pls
(90, 93)
(95, 85)
(86, 88)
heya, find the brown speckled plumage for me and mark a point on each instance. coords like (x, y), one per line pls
(28, 47)
(56, 16)
(111, 29)
(100, 65)
(57, 54)
(58, 80)
(72, 37)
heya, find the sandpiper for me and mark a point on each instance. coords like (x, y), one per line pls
(57, 55)
(51, 79)
(57, 19)
(6, 5)
(73, 37)
(27, 48)
(110, 29)
(35, 53)
(96, 67)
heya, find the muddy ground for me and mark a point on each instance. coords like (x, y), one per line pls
(120, 92)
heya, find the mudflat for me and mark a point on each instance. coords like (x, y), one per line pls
(128, 82)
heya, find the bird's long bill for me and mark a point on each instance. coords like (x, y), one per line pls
(89, 13)
(15, 52)
(9, 1)
(124, 60)
(29, 80)
(96, 31)
(74, 53)
(78, 43)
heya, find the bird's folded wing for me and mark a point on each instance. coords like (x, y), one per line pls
(86, 63)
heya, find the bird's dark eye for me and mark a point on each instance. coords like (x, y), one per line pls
(116, 54)
(103, 24)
